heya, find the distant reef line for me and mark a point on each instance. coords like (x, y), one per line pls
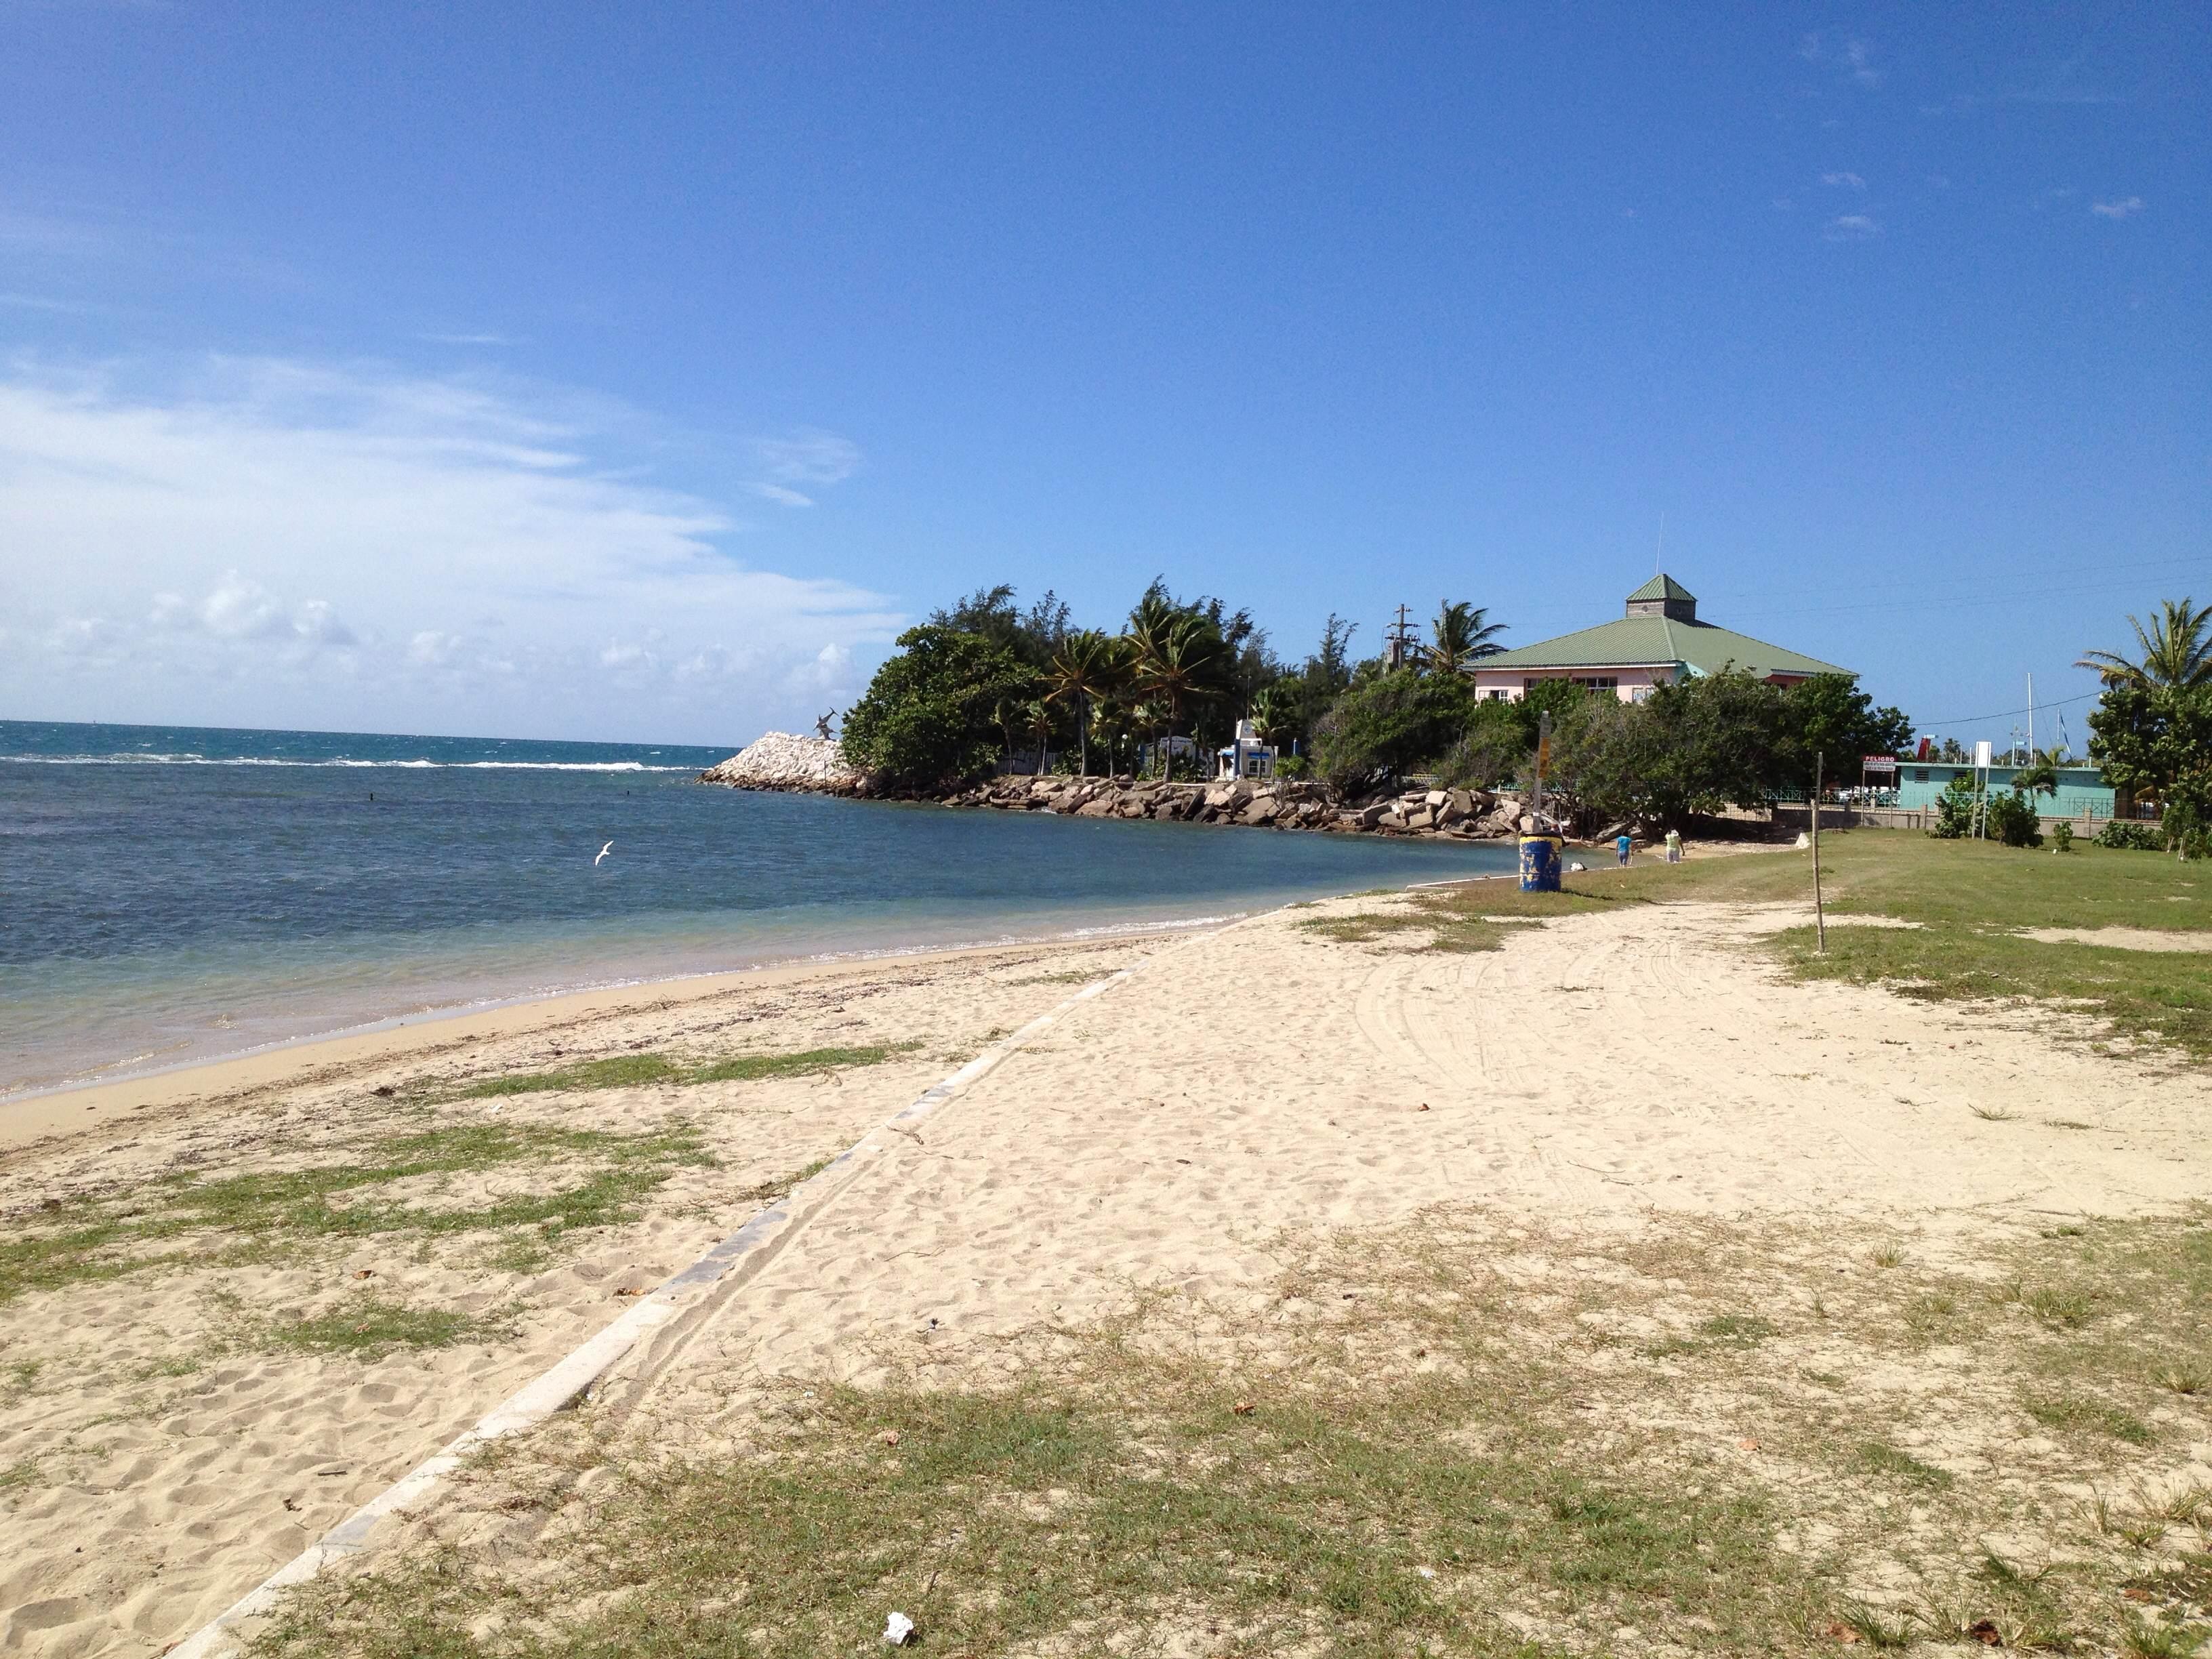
(788, 762)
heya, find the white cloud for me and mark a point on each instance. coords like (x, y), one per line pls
(289, 543)
(782, 495)
(1843, 180)
(1850, 58)
(1852, 228)
(2126, 209)
(810, 456)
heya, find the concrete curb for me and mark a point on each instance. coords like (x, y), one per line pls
(567, 1381)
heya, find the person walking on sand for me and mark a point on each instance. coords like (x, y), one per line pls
(1673, 847)
(1621, 844)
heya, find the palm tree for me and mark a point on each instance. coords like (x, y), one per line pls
(1460, 636)
(1274, 718)
(2177, 651)
(1088, 666)
(1036, 718)
(1178, 662)
(2040, 776)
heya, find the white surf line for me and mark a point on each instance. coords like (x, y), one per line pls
(572, 1376)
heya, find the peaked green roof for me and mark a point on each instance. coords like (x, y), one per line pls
(1662, 587)
(1660, 642)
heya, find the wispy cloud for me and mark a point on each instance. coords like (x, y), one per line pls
(810, 456)
(47, 303)
(1852, 228)
(466, 339)
(2126, 208)
(1849, 57)
(782, 495)
(290, 542)
(1843, 180)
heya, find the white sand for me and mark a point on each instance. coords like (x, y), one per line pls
(1595, 1070)
(2121, 939)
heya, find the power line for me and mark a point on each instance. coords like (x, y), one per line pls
(2002, 714)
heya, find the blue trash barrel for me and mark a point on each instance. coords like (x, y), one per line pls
(1540, 863)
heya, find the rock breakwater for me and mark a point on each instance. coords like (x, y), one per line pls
(1287, 804)
(786, 761)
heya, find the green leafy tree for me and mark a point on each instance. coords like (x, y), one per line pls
(1032, 635)
(1830, 721)
(925, 720)
(2154, 742)
(1494, 749)
(1387, 724)
(1699, 744)
(1462, 636)
(1324, 677)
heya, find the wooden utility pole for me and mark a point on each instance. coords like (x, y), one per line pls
(1398, 638)
(1820, 912)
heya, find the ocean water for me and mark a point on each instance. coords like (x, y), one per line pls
(172, 894)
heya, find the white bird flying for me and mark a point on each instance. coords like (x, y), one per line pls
(603, 851)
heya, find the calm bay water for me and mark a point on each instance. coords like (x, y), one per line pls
(169, 895)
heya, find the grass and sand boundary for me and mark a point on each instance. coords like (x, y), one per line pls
(1928, 1345)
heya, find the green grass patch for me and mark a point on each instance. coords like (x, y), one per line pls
(188, 1219)
(1070, 1515)
(635, 1071)
(13, 1477)
(1738, 1330)
(1442, 1443)
(368, 1328)
(1879, 1457)
(2076, 1413)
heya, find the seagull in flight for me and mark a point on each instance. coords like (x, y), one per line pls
(603, 851)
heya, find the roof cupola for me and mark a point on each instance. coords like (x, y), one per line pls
(1662, 596)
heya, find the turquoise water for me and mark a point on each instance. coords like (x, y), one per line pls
(170, 895)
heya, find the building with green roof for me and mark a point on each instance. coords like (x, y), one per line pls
(1659, 640)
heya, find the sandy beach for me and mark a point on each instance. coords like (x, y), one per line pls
(168, 1438)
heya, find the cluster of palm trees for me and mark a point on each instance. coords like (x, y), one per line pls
(1143, 682)
(1148, 682)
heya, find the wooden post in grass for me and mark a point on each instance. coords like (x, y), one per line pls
(1819, 914)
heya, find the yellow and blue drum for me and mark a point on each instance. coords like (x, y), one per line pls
(1540, 863)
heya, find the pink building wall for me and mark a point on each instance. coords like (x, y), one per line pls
(1631, 684)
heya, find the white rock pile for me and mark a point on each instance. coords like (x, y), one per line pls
(785, 760)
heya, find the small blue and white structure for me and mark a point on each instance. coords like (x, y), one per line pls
(1246, 757)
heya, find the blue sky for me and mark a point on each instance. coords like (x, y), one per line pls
(568, 372)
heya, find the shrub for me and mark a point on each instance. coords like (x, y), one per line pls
(2061, 837)
(2187, 829)
(2130, 836)
(1292, 767)
(1955, 810)
(2011, 818)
